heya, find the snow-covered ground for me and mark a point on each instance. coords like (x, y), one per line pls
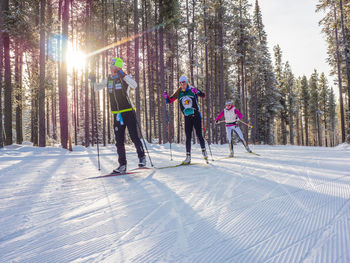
(291, 204)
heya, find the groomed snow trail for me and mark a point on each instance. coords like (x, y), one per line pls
(291, 204)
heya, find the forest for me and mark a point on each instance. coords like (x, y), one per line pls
(53, 52)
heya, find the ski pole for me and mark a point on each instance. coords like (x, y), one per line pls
(93, 81)
(247, 124)
(97, 144)
(167, 116)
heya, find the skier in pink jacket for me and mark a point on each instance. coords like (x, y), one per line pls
(232, 115)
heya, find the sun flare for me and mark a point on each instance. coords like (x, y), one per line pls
(75, 59)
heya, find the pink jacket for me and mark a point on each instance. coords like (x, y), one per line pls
(222, 113)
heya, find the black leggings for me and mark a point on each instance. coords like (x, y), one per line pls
(190, 122)
(129, 121)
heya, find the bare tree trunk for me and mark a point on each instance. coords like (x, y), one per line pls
(8, 87)
(18, 93)
(86, 83)
(144, 66)
(92, 108)
(150, 65)
(157, 41)
(291, 121)
(306, 121)
(1, 66)
(342, 119)
(302, 130)
(222, 84)
(162, 75)
(177, 77)
(50, 73)
(190, 51)
(59, 51)
(298, 128)
(347, 63)
(63, 103)
(207, 84)
(42, 128)
(136, 55)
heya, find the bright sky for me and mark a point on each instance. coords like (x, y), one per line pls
(293, 25)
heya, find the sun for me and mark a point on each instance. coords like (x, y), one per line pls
(76, 59)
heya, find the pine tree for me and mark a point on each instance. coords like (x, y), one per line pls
(283, 94)
(265, 97)
(242, 42)
(332, 24)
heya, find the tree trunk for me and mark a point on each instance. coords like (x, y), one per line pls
(291, 121)
(306, 121)
(347, 61)
(150, 69)
(156, 59)
(136, 55)
(86, 80)
(301, 130)
(63, 103)
(222, 84)
(1, 66)
(42, 128)
(342, 119)
(298, 128)
(207, 84)
(18, 92)
(190, 51)
(144, 66)
(161, 104)
(8, 87)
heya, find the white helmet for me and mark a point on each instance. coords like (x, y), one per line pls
(183, 78)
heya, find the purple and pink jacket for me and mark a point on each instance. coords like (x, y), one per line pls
(228, 111)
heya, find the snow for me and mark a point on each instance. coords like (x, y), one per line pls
(291, 204)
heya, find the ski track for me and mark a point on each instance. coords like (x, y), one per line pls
(291, 204)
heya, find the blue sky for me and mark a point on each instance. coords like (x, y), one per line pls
(293, 24)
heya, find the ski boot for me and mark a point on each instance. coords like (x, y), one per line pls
(120, 170)
(205, 155)
(230, 146)
(247, 147)
(188, 159)
(142, 162)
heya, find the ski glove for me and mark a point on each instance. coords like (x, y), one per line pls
(194, 90)
(165, 95)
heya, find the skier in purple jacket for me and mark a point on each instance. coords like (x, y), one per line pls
(232, 115)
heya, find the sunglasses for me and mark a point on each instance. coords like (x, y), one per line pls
(182, 82)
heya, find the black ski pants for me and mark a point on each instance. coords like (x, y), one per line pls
(193, 121)
(128, 119)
